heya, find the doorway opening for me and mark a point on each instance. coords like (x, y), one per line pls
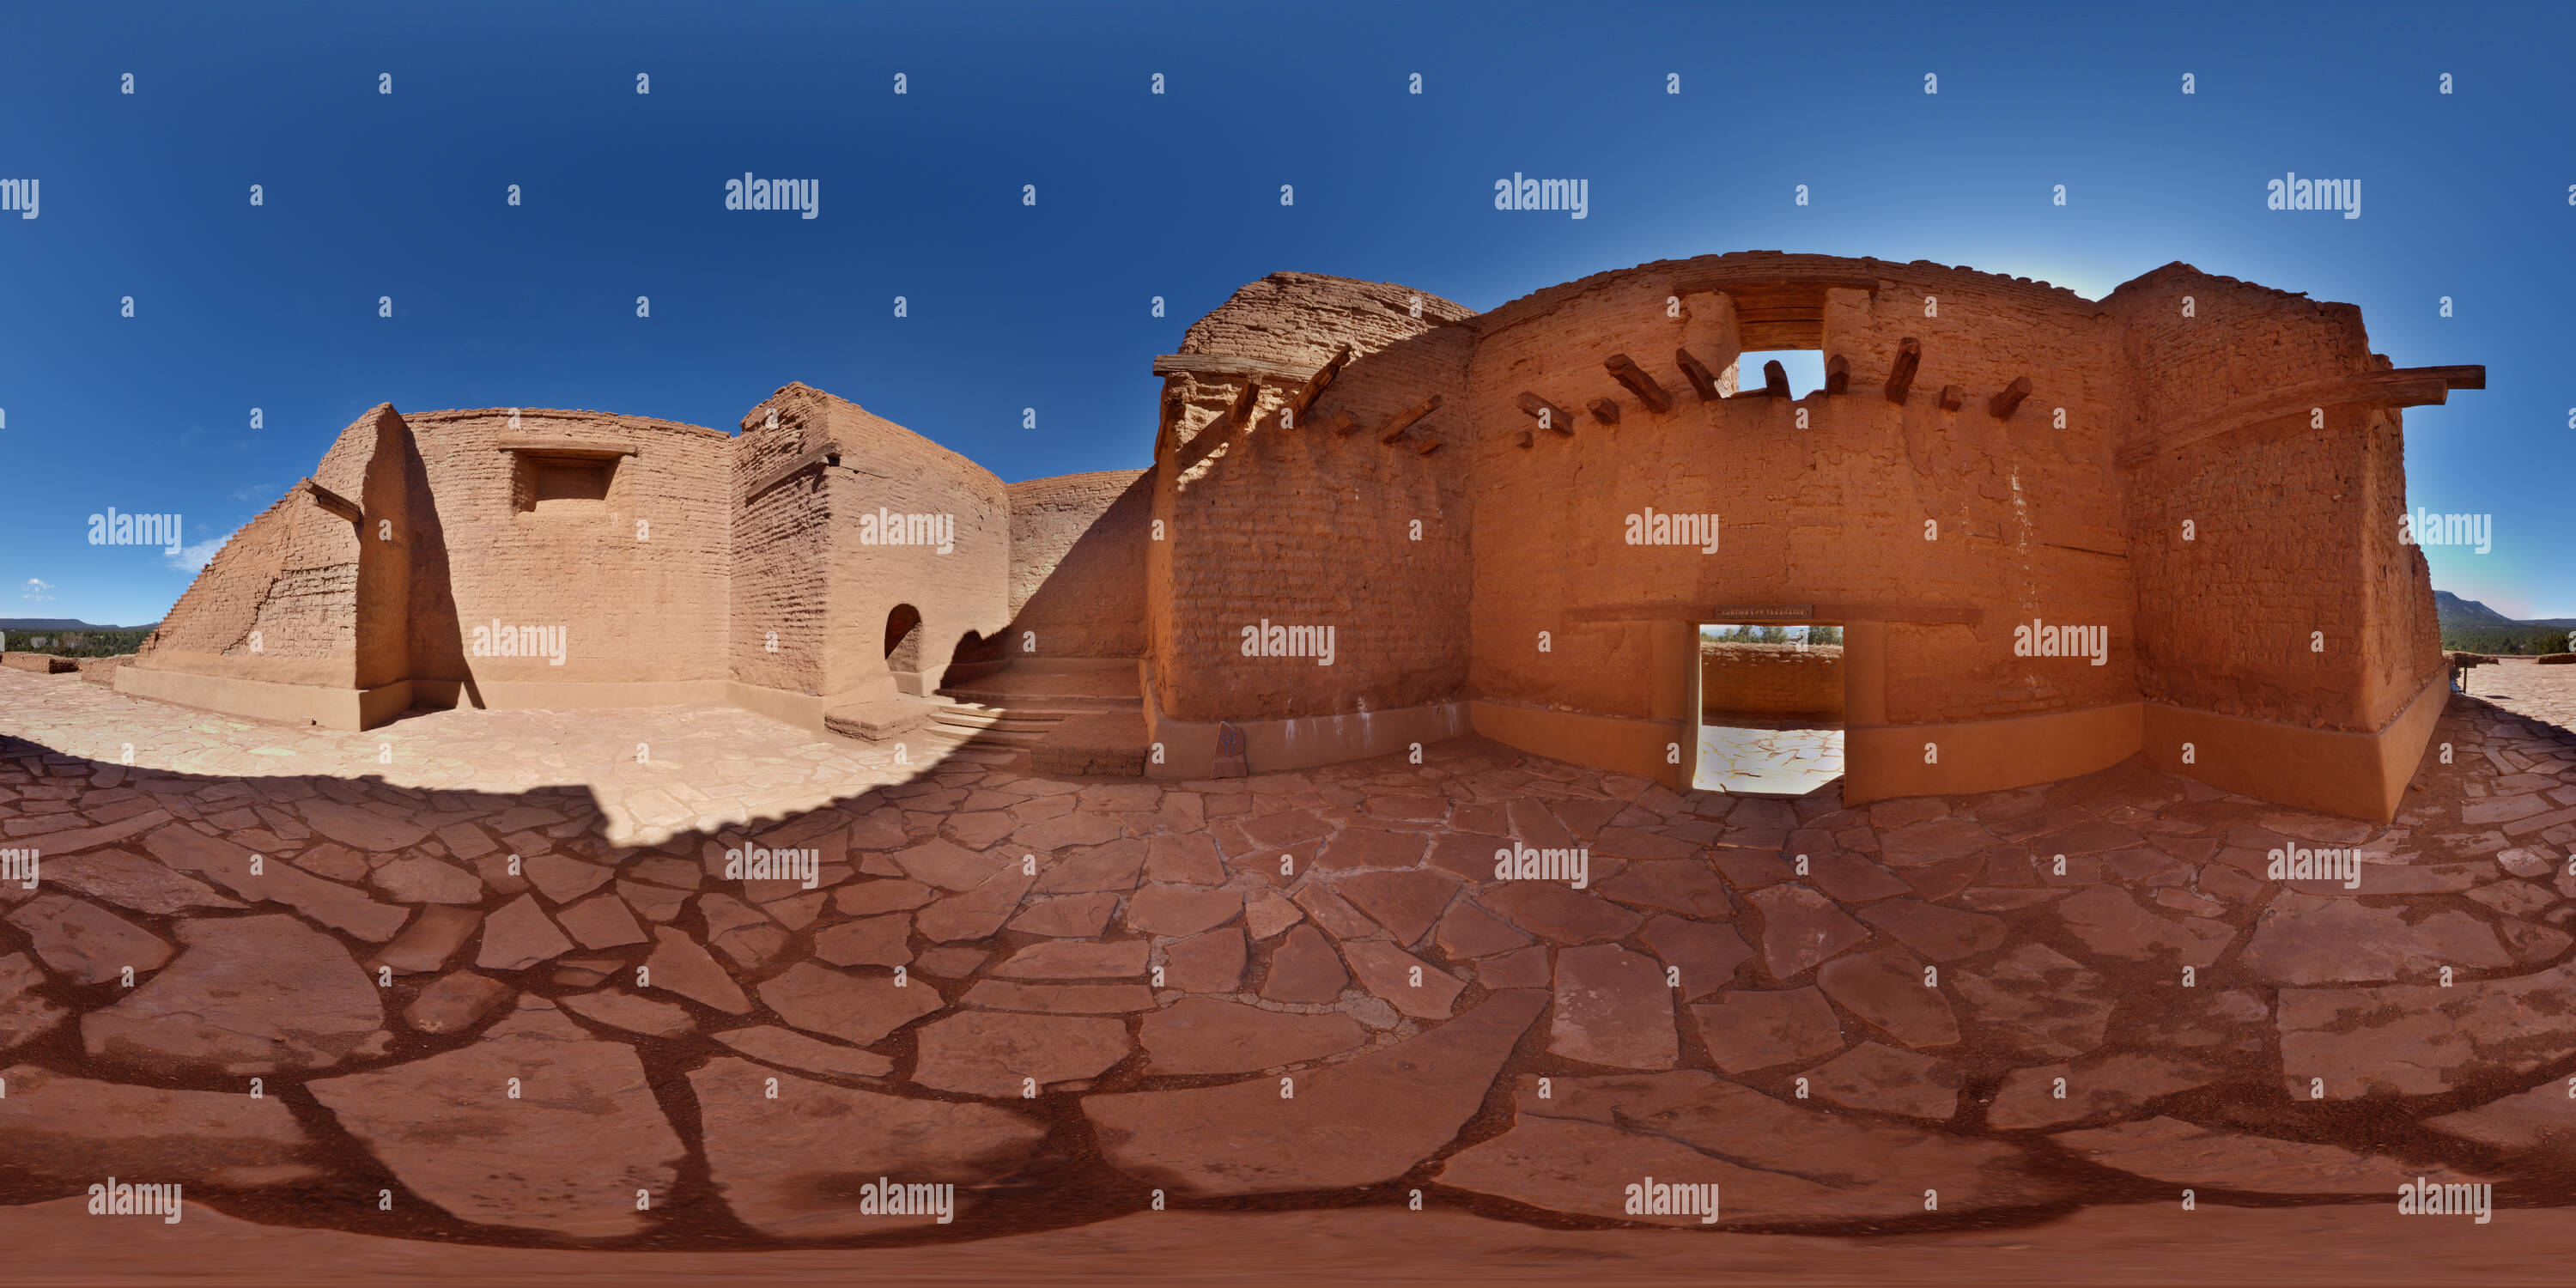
(1771, 708)
(903, 639)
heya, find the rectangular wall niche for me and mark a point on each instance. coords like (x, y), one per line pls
(563, 478)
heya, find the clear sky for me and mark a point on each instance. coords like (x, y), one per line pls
(404, 195)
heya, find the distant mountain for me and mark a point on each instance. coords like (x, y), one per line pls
(2456, 613)
(61, 624)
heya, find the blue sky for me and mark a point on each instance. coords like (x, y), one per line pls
(369, 195)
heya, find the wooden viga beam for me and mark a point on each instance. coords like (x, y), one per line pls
(1837, 375)
(1625, 370)
(1604, 410)
(1547, 414)
(1953, 397)
(1241, 412)
(2004, 404)
(1314, 387)
(1702, 382)
(1403, 420)
(1909, 356)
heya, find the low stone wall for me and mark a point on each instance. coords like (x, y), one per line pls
(42, 663)
(1770, 680)
(102, 670)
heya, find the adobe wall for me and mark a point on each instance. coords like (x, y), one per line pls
(1832, 513)
(638, 604)
(874, 465)
(1768, 680)
(1310, 527)
(2294, 526)
(777, 627)
(290, 575)
(1077, 585)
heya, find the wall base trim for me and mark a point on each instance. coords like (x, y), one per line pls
(2334, 771)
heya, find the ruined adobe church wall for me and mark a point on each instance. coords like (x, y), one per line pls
(1078, 564)
(1305, 527)
(1833, 513)
(291, 575)
(632, 610)
(2295, 527)
(776, 626)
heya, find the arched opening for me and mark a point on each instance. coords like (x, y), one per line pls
(903, 639)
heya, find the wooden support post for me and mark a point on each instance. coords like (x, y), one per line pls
(1697, 373)
(1403, 420)
(2009, 401)
(1627, 372)
(1775, 379)
(1909, 355)
(1837, 375)
(1952, 396)
(1548, 414)
(1604, 410)
(1314, 386)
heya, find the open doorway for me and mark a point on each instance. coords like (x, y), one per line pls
(1771, 708)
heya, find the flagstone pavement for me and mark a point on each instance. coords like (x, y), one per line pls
(685, 978)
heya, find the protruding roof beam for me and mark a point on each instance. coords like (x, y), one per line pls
(1315, 385)
(1695, 371)
(2009, 401)
(1604, 410)
(1909, 355)
(1625, 370)
(1953, 397)
(1401, 421)
(1547, 414)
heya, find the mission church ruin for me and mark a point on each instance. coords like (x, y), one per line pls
(2198, 479)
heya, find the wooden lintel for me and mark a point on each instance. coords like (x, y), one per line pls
(1211, 364)
(2006, 403)
(1701, 381)
(1837, 375)
(1604, 410)
(565, 448)
(2403, 387)
(1625, 370)
(1403, 420)
(1547, 414)
(1315, 384)
(1900, 381)
(1953, 397)
(1828, 613)
(1775, 379)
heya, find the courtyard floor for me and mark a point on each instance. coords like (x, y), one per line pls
(1767, 762)
(498, 978)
